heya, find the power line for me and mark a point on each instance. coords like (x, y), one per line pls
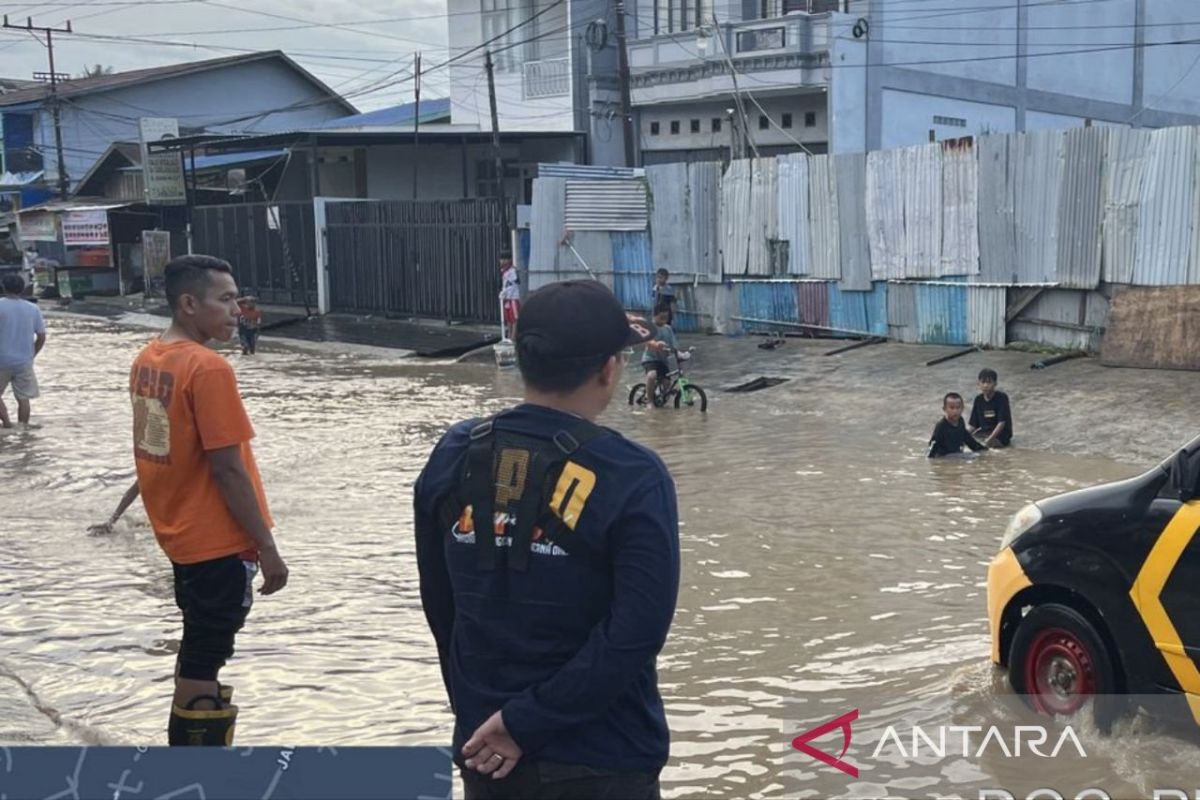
(312, 24)
(950, 28)
(330, 25)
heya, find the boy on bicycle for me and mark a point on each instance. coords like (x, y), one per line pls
(658, 350)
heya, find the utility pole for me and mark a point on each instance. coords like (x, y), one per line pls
(499, 155)
(623, 75)
(63, 183)
(417, 129)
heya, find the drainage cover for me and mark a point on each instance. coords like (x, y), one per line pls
(757, 384)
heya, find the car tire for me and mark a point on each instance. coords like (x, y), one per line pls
(1059, 661)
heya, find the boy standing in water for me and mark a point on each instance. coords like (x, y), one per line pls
(201, 490)
(664, 294)
(249, 322)
(510, 295)
(950, 434)
(991, 413)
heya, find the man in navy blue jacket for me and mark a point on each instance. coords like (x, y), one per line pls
(549, 620)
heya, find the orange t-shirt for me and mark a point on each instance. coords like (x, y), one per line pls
(185, 403)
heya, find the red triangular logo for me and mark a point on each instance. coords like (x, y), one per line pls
(801, 743)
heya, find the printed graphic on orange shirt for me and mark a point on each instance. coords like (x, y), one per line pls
(151, 392)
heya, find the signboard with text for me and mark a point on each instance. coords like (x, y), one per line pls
(156, 252)
(38, 226)
(162, 172)
(85, 228)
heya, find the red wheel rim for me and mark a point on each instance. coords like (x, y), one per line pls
(1060, 674)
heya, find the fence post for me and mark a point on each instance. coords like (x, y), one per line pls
(322, 259)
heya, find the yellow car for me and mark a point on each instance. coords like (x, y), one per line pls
(1094, 592)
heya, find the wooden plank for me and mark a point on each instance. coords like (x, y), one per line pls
(1153, 327)
(1022, 302)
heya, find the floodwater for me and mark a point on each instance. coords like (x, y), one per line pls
(827, 565)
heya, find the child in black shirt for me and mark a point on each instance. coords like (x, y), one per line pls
(950, 434)
(991, 414)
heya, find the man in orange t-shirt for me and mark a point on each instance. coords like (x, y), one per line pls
(201, 489)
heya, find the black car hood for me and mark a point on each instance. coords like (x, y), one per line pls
(1132, 495)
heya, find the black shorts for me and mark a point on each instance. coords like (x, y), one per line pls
(659, 367)
(215, 597)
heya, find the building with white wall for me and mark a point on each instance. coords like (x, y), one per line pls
(774, 76)
(555, 69)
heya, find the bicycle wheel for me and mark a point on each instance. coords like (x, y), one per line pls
(637, 395)
(693, 397)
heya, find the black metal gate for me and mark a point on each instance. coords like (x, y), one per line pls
(272, 248)
(435, 259)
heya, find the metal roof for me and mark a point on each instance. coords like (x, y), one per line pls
(431, 110)
(80, 204)
(358, 137)
(224, 160)
(104, 83)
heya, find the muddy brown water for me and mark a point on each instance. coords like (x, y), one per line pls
(826, 564)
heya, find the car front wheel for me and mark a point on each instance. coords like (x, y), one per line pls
(1059, 662)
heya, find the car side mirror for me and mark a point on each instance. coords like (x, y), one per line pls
(1183, 482)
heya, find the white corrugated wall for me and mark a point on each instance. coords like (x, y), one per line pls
(792, 203)
(960, 208)
(825, 259)
(735, 212)
(763, 219)
(885, 213)
(923, 211)
(1124, 171)
(1168, 209)
(1038, 189)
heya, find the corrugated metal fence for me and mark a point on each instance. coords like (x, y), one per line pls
(921, 242)
(272, 248)
(427, 259)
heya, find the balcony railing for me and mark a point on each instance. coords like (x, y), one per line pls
(548, 78)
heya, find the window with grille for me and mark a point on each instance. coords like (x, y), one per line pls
(512, 49)
(953, 122)
(672, 16)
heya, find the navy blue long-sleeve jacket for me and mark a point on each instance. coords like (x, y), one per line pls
(567, 648)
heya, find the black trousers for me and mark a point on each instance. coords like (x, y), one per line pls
(542, 780)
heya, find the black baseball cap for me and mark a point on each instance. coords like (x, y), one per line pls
(574, 320)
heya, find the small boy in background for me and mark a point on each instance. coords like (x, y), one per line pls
(249, 321)
(510, 295)
(991, 414)
(664, 295)
(950, 434)
(655, 361)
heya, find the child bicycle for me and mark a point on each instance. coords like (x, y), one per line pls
(674, 386)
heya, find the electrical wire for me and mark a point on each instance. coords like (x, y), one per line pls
(1150, 106)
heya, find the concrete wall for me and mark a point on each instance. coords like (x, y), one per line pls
(213, 99)
(469, 104)
(908, 118)
(440, 176)
(705, 113)
(1083, 61)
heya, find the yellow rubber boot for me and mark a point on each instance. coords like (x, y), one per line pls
(210, 727)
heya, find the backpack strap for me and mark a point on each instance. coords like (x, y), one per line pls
(552, 519)
(477, 488)
(479, 485)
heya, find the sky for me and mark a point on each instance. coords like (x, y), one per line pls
(351, 45)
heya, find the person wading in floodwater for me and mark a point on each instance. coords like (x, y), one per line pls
(201, 490)
(548, 552)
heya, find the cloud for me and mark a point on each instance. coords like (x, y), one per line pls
(349, 61)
